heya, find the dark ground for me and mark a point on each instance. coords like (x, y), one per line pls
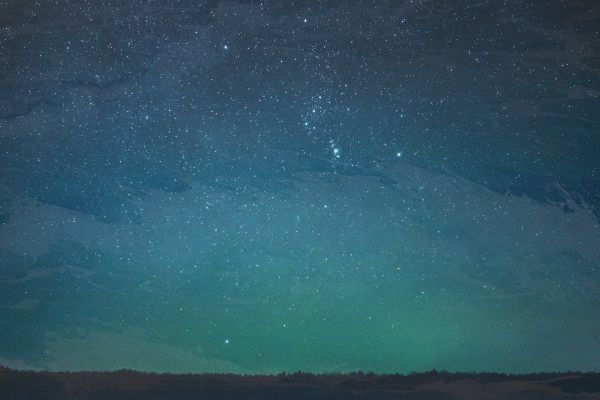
(17, 385)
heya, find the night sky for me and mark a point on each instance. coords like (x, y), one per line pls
(266, 186)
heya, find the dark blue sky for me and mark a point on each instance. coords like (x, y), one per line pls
(328, 185)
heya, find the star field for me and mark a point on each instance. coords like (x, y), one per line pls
(258, 186)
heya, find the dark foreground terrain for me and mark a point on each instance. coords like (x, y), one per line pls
(431, 385)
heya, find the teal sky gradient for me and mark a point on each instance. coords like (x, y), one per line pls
(263, 187)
